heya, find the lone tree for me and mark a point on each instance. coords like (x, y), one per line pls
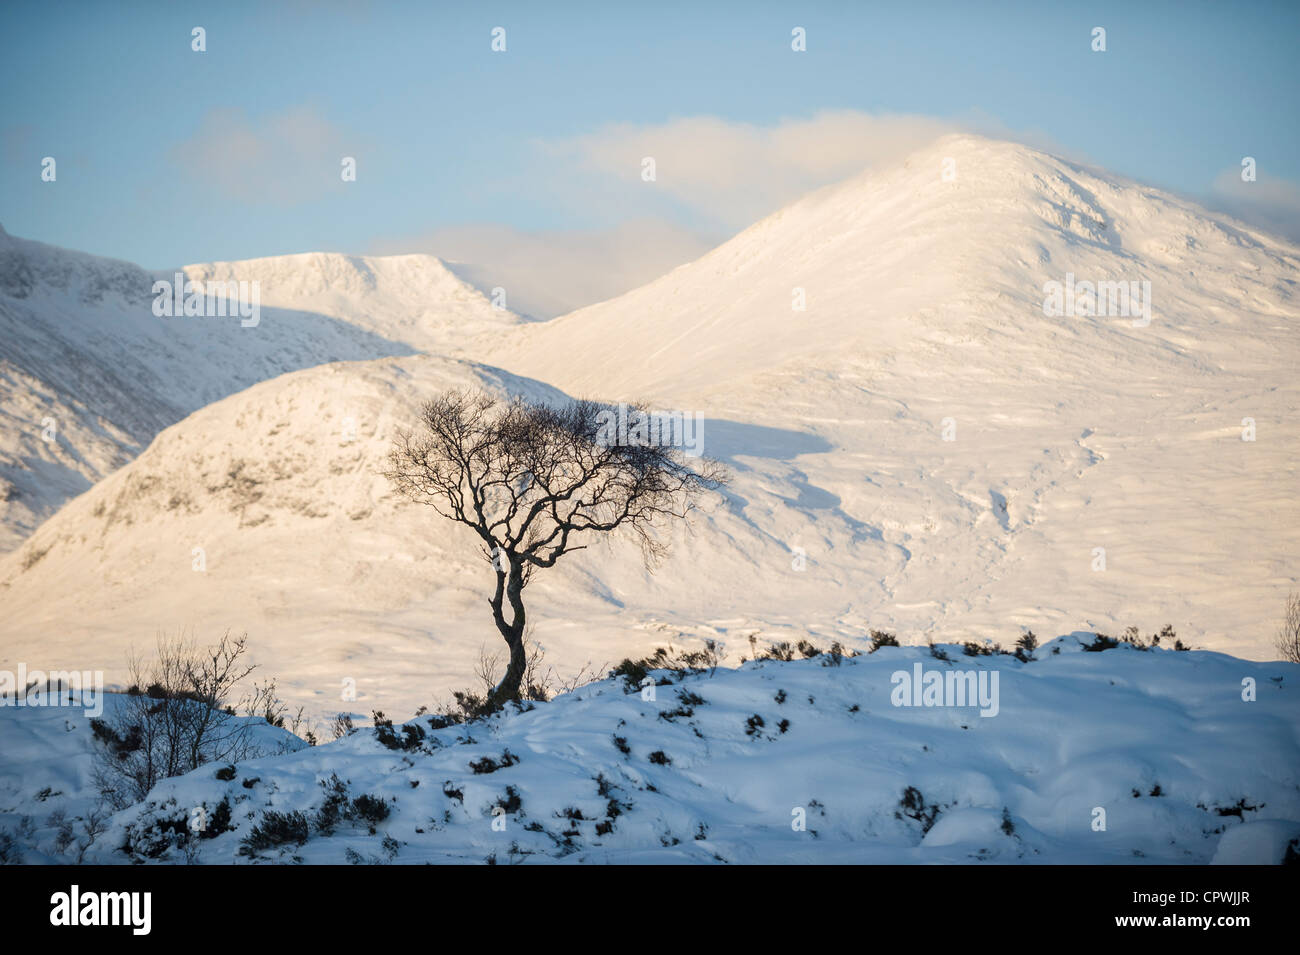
(531, 480)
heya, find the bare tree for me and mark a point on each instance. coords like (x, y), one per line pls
(531, 480)
(176, 718)
(1288, 635)
(93, 825)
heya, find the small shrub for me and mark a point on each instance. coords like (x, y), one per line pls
(276, 829)
(119, 745)
(511, 801)
(370, 809)
(882, 638)
(913, 806)
(660, 758)
(411, 738)
(1133, 637)
(1102, 642)
(489, 765)
(342, 725)
(633, 673)
(219, 822)
(672, 715)
(336, 805)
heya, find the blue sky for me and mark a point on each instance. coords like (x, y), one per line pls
(168, 156)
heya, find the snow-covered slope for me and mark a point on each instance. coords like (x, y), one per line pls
(903, 261)
(88, 374)
(1113, 757)
(267, 512)
(1096, 476)
(995, 463)
(47, 769)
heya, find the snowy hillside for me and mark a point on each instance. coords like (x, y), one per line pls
(88, 373)
(266, 512)
(47, 769)
(927, 417)
(901, 262)
(922, 450)
(1122, 756)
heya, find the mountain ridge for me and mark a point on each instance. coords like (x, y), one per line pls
(89, 374)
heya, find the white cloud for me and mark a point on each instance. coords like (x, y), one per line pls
(732, 174)
(283, 159)
(1270, 203)
(714, 178)
(546, 274)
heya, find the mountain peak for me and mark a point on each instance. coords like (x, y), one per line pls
(904, 255)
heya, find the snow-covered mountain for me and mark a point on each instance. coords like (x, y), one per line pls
(1121, 756)
(89, 374)
(922, 449)
(997, 459)
(942, 256)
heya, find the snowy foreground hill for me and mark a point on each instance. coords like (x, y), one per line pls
(1119, 756)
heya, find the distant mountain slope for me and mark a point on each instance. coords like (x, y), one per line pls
(88, 374)
(900, 260)
(1000, 461)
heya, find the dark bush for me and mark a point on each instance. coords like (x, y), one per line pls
(276, 829)
(913, 806)
(511, 801)
(219, 822)
(882, 638)
(489, 765)
(1026, 646)
(411, 738)
(370, 809)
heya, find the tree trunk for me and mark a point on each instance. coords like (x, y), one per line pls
(510, 586)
